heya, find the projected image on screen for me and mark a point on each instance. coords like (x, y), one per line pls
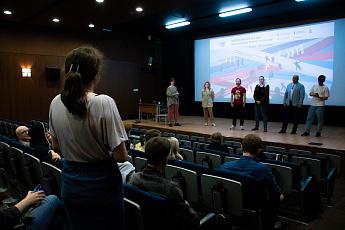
(306, 51)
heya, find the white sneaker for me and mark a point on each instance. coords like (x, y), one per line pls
(232, 127)
(242, 127)
(206, 124)
(214, 125)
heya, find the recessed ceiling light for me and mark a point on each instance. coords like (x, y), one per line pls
(91, 25)
(99, 0)
(139, 9)
(56, 20)
(7, 12)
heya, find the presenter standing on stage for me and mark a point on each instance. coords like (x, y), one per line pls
(238, 102)
(293, 100)
(207, 102)
(320, 94)
(172, 103)
(261, 98)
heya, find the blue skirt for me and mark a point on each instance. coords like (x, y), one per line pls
(92, 194)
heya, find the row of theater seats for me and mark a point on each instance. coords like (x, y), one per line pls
(21, 171)
(303, 177)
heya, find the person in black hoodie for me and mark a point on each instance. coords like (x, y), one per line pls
(217, 139)
(40, 142)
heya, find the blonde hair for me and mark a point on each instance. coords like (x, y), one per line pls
(208, 84)
(128, 126)
(174, 147)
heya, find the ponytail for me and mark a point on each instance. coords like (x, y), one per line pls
(73, 95)
(81, 67)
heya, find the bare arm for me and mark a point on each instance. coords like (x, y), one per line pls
(55, 145)
(31, 198)
(232, 100)
(120, 153)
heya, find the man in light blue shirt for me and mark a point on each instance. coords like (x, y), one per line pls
(293, 100)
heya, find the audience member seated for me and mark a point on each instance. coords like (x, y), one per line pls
(174, 149)
(22, 133)
(151, 179)
(128, 127)
(126, 168)
(45, 209)
(217, 139)
(247, 165)
(40, 142)
(145, 137)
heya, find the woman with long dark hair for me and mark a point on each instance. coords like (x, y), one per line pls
(88, 129)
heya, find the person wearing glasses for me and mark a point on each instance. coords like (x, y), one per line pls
(22, 133)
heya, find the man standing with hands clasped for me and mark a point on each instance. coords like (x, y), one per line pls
(320, 94)
(261, 97)
(293, 100)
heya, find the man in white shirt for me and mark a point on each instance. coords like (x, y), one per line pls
(320, 94)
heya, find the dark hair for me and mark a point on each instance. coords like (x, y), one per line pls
(262, 77)
(149, 134)
(322, 78)
(251, 144)
(172, 79)
(81, 66)
(238, 79)
(156, 150)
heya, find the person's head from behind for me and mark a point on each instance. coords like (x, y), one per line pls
(128, 126)
(149, 134)
(22, 133)
(157, 150)
(174, 147)
(251, 144)
(217, 138)
(82, 69)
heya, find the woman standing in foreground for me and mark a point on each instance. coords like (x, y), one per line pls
(207, 103)
(88, 128)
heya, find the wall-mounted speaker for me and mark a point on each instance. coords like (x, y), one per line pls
(53, 73)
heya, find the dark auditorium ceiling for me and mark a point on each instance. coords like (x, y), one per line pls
(121, 15)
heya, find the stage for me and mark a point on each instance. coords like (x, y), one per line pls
(332, 138)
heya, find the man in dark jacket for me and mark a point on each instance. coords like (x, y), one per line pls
(261, 98)
(151, 179)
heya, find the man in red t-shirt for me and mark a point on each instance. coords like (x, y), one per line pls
(238, 102)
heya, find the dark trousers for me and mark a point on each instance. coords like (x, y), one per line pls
(295, 110)
(238, 113)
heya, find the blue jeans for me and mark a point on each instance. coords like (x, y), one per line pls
(262, 109)
(46, 214)
(317, 111)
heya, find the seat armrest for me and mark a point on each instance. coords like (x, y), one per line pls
(207, 221)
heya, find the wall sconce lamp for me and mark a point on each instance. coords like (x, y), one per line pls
(26, 72)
